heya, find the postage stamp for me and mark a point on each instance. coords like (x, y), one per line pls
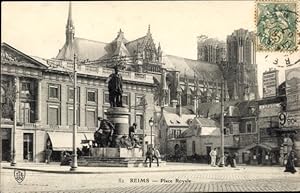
(276, 25)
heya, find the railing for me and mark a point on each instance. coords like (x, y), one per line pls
(99, 70)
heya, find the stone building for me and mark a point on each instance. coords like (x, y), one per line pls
(211, 50)
(44, 103)
(241, 69)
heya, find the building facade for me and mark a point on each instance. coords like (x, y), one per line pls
(241, 69)
(45, 93)
(211, 50)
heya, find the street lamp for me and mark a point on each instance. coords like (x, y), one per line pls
(14, 99)
(151, 123)
(74, 160)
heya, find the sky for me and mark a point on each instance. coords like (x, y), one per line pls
(38, 28)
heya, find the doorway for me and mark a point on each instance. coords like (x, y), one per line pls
(6, 144)
(28, 146)
(208, 150)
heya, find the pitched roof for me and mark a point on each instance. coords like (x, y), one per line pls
(136, 44)
(242, 108)
(204, 70)
(11, 54)
(202, 126)
(84, 48)
(173, 119)
(184, 110)
(210, 109)
(205, 122)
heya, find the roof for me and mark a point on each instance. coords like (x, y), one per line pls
(210, 109)
(184, 110)
(204, 70)
(84, 48)
(135, 44)
(201, 127)
(11, 54)
(206, 122)
(214, 109)
(172, 119)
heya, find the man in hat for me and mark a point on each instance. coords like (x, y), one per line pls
(115, 88)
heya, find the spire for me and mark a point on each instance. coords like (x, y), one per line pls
(70, 29)
(149, 32)
(70, 21)
(120, 37)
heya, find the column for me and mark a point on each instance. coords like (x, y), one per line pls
(38, 102)
(17, 104)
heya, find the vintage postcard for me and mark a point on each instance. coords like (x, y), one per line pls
(150, 96)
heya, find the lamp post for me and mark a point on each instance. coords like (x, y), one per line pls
(151, 123)
(13, 160)
(222, 125)
(74, 160)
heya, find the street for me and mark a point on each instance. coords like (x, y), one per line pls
(240, 179)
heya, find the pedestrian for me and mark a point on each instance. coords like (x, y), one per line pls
(149, 155)
(156, 155)
(233, 157)
(48, 151)
(213, 157)
(290, 164)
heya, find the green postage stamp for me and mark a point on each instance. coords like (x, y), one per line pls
(276, 25)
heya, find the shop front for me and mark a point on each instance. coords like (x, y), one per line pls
(62, 142)
(260, 154)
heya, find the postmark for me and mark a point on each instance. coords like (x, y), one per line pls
(276, 25)
(19, 175)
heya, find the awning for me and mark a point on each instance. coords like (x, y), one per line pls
(268, 146)
(62, 141)
(265, 145)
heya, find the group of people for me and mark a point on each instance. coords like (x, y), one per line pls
(151, 154)
(229, 158)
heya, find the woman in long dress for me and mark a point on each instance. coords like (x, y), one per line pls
(290, 165)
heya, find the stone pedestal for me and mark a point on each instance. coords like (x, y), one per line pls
(113, 157)
(120, 117)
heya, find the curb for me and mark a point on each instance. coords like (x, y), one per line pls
(107, 172)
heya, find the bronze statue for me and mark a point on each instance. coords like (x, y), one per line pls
(104, 135)
(115, 89)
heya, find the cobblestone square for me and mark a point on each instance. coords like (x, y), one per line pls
(202, 178)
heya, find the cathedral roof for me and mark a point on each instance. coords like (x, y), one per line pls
(136, 44)
(84, 48)
(204, 70)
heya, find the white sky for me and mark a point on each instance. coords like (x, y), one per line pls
(38, 28)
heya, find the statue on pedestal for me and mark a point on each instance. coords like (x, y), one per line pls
(115, 84)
